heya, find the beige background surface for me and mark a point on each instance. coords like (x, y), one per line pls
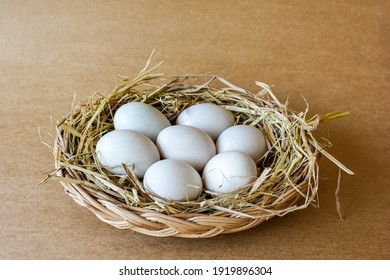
(333, 53)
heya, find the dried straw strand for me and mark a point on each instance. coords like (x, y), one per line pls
(288, 179)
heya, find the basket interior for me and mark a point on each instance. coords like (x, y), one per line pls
(289, 169)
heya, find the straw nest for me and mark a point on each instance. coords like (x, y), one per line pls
(288, 173)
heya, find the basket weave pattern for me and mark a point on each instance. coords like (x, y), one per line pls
(288, 175)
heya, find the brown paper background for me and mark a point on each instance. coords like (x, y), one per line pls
(333, 53)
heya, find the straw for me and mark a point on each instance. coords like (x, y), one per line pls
(288, 177)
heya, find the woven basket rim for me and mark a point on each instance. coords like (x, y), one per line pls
(159, 224)
(187, 225)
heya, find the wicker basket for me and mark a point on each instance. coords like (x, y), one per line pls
(288, 178)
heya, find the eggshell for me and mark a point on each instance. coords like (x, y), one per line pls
(186, 143)
(140, 117)
(129, 147)
(174, 180)
(244, 138)
(229, 171)
(208, 117)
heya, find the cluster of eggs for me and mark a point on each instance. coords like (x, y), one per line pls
(171, 158)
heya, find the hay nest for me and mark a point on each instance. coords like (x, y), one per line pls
(288, 173)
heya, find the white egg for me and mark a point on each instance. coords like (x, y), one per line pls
(140, 117)
(229, 171)
(174, 180)
(134, 149)
(186, 143)
(244, 138)
(208, 117)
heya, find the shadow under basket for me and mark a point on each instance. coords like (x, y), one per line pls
(288, 173)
